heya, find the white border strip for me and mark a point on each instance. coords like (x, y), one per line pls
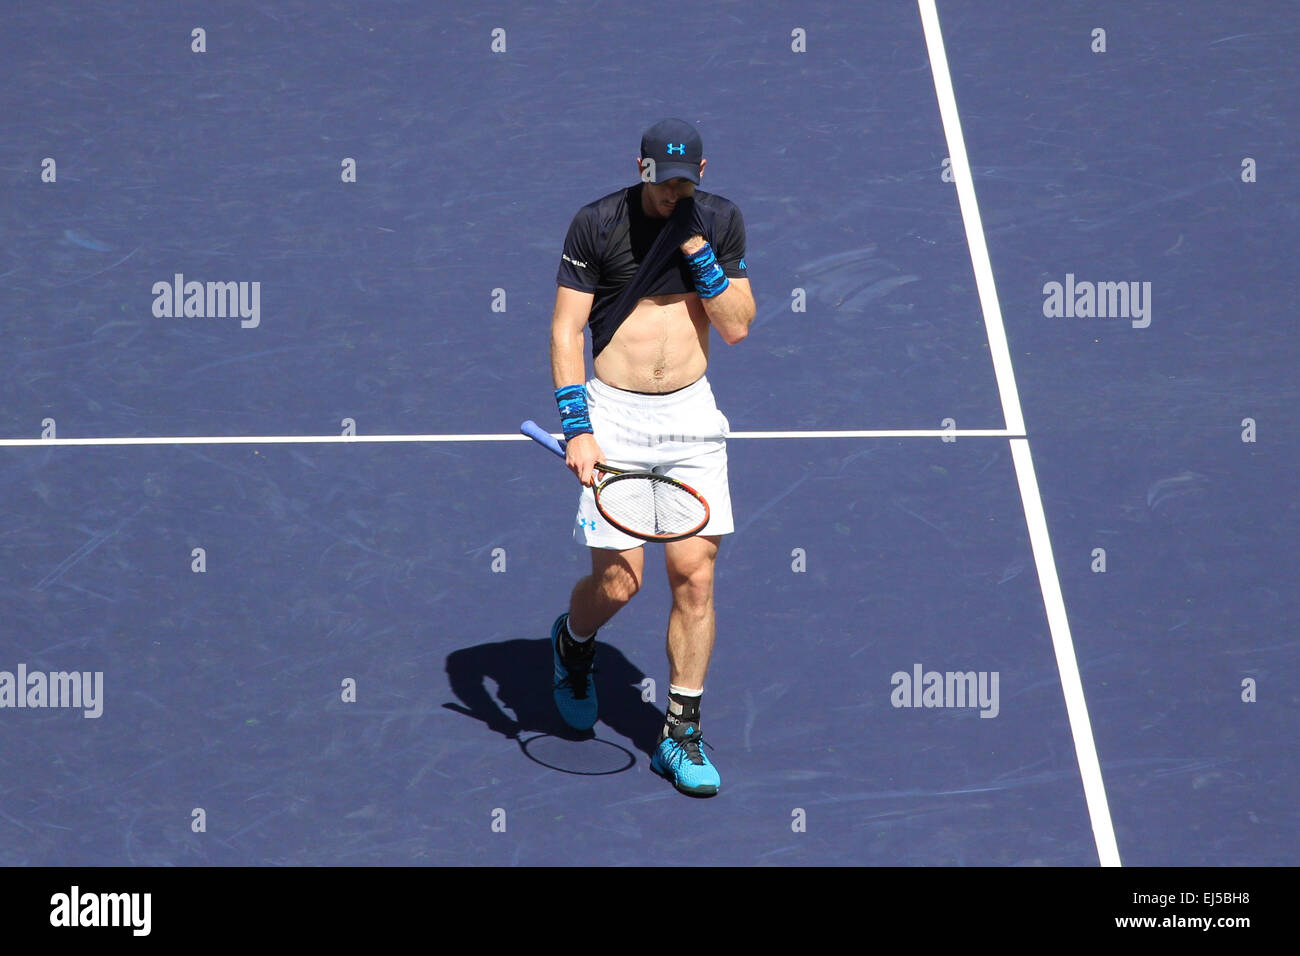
(376, 439)
(1085, 747)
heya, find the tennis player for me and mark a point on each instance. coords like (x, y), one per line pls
(649, 269)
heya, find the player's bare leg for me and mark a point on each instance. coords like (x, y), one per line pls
(690, 645)
(691, 621)
(615, 578)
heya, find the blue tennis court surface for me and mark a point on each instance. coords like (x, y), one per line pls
(335, 652)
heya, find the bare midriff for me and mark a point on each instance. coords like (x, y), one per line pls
(661, 347)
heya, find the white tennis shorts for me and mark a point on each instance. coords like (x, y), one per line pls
(681, 435)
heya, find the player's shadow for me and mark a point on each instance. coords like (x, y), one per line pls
(523, 704)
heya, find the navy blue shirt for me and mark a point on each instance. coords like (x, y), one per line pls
(611, 239)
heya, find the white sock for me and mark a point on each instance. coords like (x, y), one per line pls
(579, 640)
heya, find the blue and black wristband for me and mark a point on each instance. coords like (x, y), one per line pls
(709, 278)
(574, 417)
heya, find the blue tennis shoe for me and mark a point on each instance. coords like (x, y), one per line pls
(575, 692)
(681, 759)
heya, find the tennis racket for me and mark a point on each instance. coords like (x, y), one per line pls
(640, 503)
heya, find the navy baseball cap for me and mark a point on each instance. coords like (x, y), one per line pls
(675, 147)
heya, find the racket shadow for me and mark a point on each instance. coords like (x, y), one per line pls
(523, 706)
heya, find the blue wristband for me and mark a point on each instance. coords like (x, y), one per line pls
(709, 278)
(572, 402)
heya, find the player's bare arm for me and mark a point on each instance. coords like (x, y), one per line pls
(732, 310)
(568, 367)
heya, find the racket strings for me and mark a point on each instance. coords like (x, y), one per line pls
(650, 505)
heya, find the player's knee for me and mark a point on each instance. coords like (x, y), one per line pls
(693, 588)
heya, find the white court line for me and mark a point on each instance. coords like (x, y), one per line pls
(887, 433)
(1085, 747)
(254, 440)
(378, 439)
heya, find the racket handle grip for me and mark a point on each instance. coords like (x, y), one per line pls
(540, 435)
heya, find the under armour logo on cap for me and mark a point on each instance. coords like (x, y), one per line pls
(678, 139)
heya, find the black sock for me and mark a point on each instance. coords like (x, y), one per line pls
(571, 649)
(682, 709)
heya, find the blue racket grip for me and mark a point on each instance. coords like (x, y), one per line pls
(540, 435)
